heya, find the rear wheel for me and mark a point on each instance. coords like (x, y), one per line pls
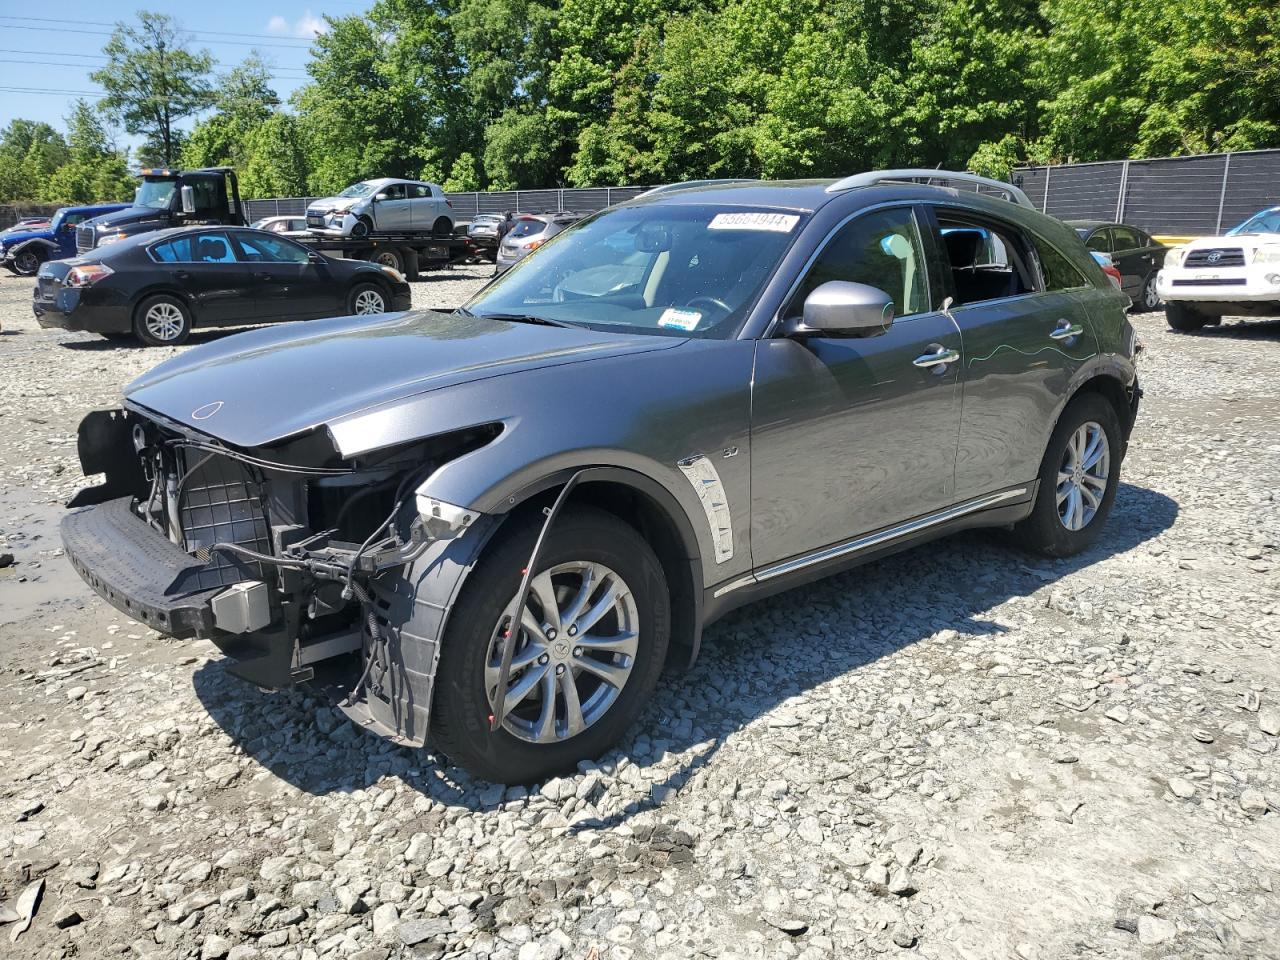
(366, 299)
(588, 652)
(1184, 318)
(27, 263)
(1078, 480)
(443, 227)
(1149, 300)
(162, 321)
(389, 258)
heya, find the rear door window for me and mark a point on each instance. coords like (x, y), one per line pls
(1099, 241)
(260, 248)
(1124, 239)
(198, 248)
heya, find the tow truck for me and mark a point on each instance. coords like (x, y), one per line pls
(211, 195)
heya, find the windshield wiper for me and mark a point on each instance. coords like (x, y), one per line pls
(525, 318)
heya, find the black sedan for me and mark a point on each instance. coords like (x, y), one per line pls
(1136, 254)
(158, 286)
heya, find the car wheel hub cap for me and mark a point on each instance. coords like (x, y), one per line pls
(368, 302)
(574, 651)
(1082, 476)
(164, 321)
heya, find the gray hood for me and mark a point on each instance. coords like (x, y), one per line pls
(259, 387)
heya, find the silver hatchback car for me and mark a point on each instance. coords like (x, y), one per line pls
(529, 233)
(383, 206)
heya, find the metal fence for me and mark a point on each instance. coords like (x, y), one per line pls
(468, 205)
(1170, 195)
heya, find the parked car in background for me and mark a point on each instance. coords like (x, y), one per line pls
(1236, 274)
(22, 251)
(528, 233)
(498, 526)
(1135, 253)
(26, 223)
(168, 198)
(484, 231)
(285, 226)
(159, 286)
(384, 205)
(1109, 268)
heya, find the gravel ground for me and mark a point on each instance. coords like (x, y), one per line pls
(962, 751)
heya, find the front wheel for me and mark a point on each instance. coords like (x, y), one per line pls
(1078, 480)
(366, 299)
(27, 262)
(162, 321)
(1183, 318)
(362, 227)
(1149, 299)
(588, 649)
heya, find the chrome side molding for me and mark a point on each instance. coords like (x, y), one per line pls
(872, 539)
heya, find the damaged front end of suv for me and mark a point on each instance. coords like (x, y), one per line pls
(288, 556)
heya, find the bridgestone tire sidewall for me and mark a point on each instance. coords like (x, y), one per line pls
(460, 718)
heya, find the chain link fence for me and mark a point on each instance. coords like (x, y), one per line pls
(1204, 194)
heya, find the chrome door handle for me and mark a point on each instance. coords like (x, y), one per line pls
(938, 358)
(1067, 331)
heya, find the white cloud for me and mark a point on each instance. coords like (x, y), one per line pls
(307, 26)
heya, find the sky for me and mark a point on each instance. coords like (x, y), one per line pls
(48, 52)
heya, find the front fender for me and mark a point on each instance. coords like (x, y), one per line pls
(48, 246)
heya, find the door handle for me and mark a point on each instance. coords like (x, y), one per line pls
(940, 357)
(182, 274)
(1066, 331)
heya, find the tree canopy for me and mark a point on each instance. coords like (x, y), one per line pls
(542, 93)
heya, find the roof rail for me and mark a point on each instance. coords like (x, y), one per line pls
(691, 184)
(873, 177)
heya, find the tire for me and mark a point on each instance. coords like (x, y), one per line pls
(366, 300)
(388, 258)
(1148, 299)
(411, 270)
(362, 227)
(27, 263)
(162, 321)
(1184, 319)
(1046, 530)
(443, 227)
(461, 711)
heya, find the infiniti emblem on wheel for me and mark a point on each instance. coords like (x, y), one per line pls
(207, 411)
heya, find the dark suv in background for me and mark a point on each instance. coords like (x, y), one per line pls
(498, 525)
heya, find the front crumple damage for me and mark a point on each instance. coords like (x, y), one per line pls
(301, 565)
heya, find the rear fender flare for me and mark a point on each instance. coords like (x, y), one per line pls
(48, 246)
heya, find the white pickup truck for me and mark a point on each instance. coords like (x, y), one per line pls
(1233, 275)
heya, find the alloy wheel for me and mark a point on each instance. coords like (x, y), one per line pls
(164, 321)
(574, 651)
(369, 302)
(26, 263)
(1150, 299)
(1082, 475)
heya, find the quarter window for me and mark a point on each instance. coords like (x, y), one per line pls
(881, 249)
(1059, 272)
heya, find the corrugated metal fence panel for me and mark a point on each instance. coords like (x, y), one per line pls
(587, 199)
(1178, 195)
(276, 207)
(1174, 195)
(1253, 184)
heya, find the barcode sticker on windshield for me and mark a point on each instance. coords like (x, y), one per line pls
(680, 319)
(773, 222)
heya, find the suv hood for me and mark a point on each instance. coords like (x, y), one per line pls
(131, 215)
(259, 387)
(1246, 241)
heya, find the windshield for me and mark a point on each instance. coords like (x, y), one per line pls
(1268, 221)
(56, 222)
(677, 270)
(358, 190)
(155, 194)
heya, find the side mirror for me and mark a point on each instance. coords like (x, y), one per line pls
(839, 307)
(314, 256)
(381, 196)
(188, 199)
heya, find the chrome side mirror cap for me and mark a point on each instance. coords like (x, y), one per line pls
(842, 308)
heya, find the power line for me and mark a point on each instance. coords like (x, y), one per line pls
(103, 33)
(103, 23)
(63, 63)
(98, 56)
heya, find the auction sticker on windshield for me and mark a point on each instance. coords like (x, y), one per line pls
(773, 222)
(680, 319)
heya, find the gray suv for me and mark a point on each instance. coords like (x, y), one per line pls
(497, 525)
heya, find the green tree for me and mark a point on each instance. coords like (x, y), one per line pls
(30, 151)
(463, 176)
(243, 101)
(277, 164)
(95, 170)
(152, 80)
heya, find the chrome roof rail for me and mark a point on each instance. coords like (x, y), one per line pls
(874, 177)
(692, 184)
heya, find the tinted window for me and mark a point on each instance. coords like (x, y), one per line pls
(527, 228)
(419, 191)
(209, 195)
(199, 248)
(880, 249)
(988, 261)
(1059, 272)
(261, 248)
(1099, 240)
(1125, 239)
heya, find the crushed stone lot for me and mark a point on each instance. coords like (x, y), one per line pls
(962, 751)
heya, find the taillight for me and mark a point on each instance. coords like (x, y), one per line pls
(86, 274)
(535, 244)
